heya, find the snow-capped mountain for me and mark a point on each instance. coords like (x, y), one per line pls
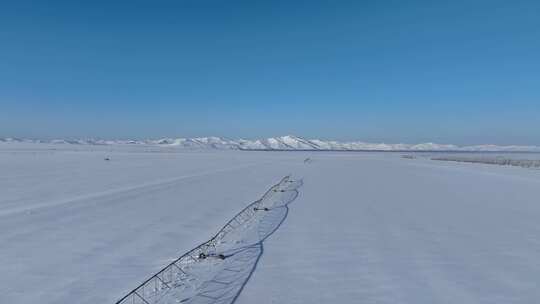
(289, 142)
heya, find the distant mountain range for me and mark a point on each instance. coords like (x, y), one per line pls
(288, 142)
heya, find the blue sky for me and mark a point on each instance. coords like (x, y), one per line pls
(459, 72)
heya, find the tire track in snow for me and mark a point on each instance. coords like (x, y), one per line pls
(97, 195)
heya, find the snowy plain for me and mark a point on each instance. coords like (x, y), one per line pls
(365, 228)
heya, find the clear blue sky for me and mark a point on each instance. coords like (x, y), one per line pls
(396, 71)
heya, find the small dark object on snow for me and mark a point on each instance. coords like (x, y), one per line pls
(265, 209)
(408, 156)
(106, 158)
(203, 256)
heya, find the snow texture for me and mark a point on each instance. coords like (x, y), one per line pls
(365, 228)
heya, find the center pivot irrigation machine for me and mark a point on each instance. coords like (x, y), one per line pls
(217, 270)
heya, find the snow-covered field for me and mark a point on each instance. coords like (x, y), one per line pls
(365, 228)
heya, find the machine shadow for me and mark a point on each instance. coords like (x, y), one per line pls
(240, 262)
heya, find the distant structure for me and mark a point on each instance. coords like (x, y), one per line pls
(498, 160)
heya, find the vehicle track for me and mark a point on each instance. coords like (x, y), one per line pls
(137, 188)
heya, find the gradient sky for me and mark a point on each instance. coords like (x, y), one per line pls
(463, 72)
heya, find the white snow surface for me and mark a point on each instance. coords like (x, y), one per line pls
(366, 227)
(289, 142)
